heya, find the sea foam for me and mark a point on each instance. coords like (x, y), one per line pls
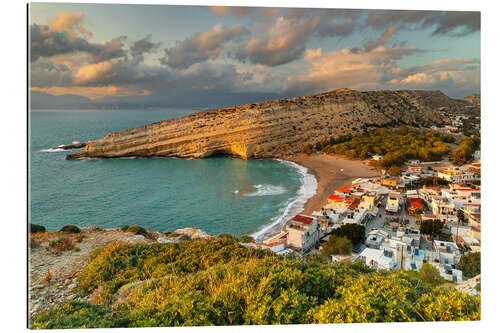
(294, 205)
(266, 189)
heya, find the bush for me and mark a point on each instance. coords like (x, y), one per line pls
(354, 232)
(246, 239)
(138, 230)
(224, 235)
(34, 228)
(470, 264)
(430, 274)
(336, 245)
(219, 282)
(62, 244)
(73, 229)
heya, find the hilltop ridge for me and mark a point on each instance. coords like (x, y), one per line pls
(277, 128)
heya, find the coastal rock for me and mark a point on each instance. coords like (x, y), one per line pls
(277, 128)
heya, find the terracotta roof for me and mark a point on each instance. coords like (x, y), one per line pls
(303, 219)
(354, 204)
(346, 189)
(333, 196)
(416, 202)
(276, 243)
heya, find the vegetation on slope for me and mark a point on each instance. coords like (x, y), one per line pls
(219, 282)
(470, 264)
(397, 145)
(463, 153)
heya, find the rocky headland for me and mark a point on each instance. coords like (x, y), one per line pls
(277, 128)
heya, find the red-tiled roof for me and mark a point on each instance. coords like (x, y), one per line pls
(476, 229)
(354, 204)
(416, 202)
(346, 189)
(303, 219)
(467, 189)
(333, 196)
(276, 243)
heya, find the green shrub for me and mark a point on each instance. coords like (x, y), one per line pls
(138, 230)
(62, 244)
(219, 282)
(124, 228)
(246, 239)
(354, 232)
(470, 264)
(336, 245)
(71, 229)
(430, 274)
(34, 228)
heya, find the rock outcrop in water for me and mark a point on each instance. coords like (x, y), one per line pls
(275, 128)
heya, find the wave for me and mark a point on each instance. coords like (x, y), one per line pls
(51, 150)
(265, 189)
(295, 205)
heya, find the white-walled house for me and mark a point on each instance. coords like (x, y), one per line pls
(304, 233)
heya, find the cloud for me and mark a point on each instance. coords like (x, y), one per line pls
(285, 39)
(94, 92)
(142, 46)
(47, 43)
(70, 22)
(202, 46)
(235, 11)
(377, 69)
(443, 23)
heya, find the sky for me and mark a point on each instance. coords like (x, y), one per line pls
(163, 55)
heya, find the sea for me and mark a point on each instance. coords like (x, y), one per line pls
(217, 195)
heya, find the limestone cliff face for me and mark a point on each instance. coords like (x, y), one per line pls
(273, 128)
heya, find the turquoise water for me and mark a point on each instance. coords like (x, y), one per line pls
(217, 194)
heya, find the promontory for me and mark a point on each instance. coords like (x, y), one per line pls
(278, 128)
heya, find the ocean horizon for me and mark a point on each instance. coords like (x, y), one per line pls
(217, 195)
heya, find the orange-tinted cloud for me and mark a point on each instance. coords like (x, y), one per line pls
(95, 92)
(70, 22)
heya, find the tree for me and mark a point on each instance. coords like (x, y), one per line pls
(470, 264)
(461, 216)
(429, 274)
(394, 171)
(418, 211)
(354, 232)
(431, 227)
(336, 245)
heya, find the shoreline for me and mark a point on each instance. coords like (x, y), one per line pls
(330, 172)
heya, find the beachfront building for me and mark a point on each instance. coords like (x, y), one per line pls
(304, 233)
(392, 205)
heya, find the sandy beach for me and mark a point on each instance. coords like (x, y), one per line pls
(331, 172)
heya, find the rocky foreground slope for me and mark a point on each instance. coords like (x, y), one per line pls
(276, 128)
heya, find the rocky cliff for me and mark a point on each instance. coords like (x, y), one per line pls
(275, 128)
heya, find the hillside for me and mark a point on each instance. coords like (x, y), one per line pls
(217, 281)
(276, 128)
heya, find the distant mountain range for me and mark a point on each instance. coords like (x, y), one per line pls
(199, 100)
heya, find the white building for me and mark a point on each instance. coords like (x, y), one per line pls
(378, 259)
